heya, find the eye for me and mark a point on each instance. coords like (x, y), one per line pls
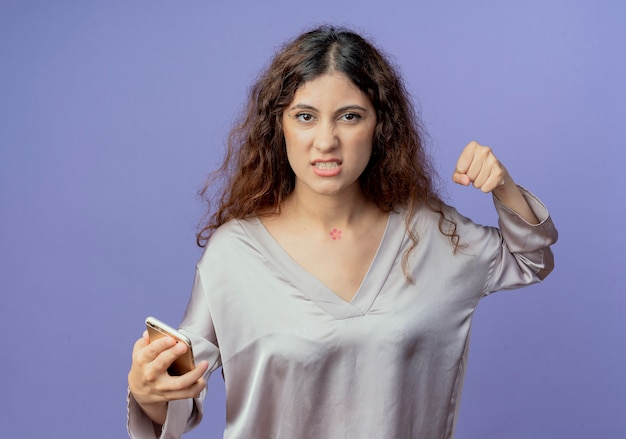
(351, 117)
(304, 117)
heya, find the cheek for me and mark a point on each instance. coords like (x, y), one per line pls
(364, 148)
(288, 133)
(296, 140)
(291, 152)
(365, 141)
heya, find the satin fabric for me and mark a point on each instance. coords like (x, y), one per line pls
(300, 362)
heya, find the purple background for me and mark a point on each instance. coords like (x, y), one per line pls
(112, 113)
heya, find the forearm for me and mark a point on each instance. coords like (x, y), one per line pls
(511, 196)
(156, 412)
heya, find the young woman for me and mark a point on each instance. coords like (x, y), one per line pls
(336, 289)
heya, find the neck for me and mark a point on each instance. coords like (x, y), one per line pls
(326, 211)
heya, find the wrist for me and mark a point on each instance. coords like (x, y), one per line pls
(506, 189)
(156, 411)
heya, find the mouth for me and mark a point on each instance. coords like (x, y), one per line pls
(326, 165)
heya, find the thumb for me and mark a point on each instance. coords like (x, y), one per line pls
(461, 178)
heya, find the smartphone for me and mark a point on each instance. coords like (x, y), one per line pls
(158, 329)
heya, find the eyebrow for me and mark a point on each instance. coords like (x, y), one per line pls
(340, 110)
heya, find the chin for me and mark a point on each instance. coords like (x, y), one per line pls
(335, 190)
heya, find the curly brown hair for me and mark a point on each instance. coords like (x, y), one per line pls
(256, 177)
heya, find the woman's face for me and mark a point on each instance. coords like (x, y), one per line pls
(329, 130)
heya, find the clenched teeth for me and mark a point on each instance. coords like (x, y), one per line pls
(326, 165)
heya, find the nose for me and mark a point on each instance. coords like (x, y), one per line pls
(326, 137)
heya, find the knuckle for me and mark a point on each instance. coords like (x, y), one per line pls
(179, 384)
(140, 357)
(150, 375)
(138, 345)
(198, 387)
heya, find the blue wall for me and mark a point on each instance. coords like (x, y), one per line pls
(112, 113)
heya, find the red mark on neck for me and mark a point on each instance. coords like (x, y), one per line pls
(335, 234)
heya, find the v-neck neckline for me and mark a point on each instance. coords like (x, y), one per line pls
(317, 291)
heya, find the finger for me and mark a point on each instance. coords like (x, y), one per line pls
(492, 175)
(461, 179)
(482, 176)
(148, 353)
(193, 377)
(189, 385)
(481, 165)
(166, 357)
(494, 180)
(164, 387)
(192, 391)
(197, 373)
(140, 344)
(465, 159)
(200, 382)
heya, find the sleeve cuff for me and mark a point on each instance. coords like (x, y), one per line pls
(520, 235)
(140, 426)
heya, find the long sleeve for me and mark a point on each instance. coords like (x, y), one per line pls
(525, 256)
(140, 426)
(183, 415)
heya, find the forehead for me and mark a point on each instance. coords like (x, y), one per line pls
(331, 87)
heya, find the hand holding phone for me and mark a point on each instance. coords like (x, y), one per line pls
(157, 329)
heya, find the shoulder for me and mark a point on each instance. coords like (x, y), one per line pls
(230, 239)
(430, 224)
(428, 217)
